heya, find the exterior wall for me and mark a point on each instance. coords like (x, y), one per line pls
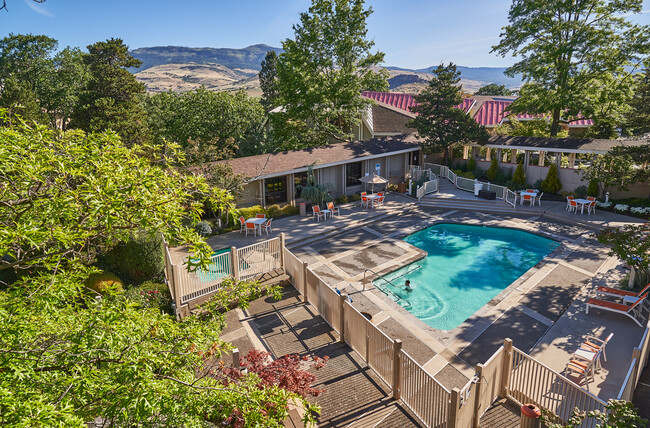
(251, 195)
(395, 169)
(638, 190)
(333, 176)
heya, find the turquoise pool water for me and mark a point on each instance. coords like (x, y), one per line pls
(215, 269)
(465, 268)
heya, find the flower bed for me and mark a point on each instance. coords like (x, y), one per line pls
(631, 207)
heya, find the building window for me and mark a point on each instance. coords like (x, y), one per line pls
(353, 174)
(276, 190)
(299, 181)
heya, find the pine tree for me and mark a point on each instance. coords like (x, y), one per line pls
(519, 178)
(638, 119)
(493, 171)
(439, 121)
(551, 183)
(268, 79)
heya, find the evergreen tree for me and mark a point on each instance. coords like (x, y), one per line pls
(638, 118)
(268, 77)
(113, 98)
(551, 183)
(439, 121)
(323, 71)
(493, 171)
(519, 178)
(493, 89)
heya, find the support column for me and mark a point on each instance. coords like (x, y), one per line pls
(499, 156)
(234, 267)
(540, 161)
(342, 298)
(344, 185)
(262, 193)
(291, 190)
(526, 160)
(466, 152)
(478, 392)
(397, 369)
(558, 160)
(572, 160)
(507, 368)
(454, 407)
(513, 155)
(488, 154)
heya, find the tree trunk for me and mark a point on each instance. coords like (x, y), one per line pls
(555, 125)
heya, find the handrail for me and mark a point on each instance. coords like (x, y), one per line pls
(390, 282)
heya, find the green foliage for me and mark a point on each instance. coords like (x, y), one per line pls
(528, 128)
(471, 164)
(551, 183)
(268, 77)
(203, 228)
(249, 211)
(208, 125)
(572, 56)
(519, 178)
(592, 190)
(464, 174)
(322, 72)
(493, 171)
(355, 197)
(288, 210)
(637, 120)
(138, 259)
(580, 191)
(314, 192)
(273, 211)
(343, 199)
(151, 294)
(438, 122)
(103, 282)
(619, 414)
(631, 244)
(493, 89)
(113, 97)
(621, 166)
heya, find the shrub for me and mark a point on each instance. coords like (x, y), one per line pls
(203, 228)
(468, 174)
(343, 199)
(140, 259)
(552, 182)
(103, 281)
(150, 294)
(392, 187)
(581, 191)
(471, 164)
(290, 210)
(493, 171)
(538, 184)
(519, 178)
(250, 211)
(592, 190)
(354, 197)
(274, 211)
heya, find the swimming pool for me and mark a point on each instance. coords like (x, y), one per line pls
(217, 269)
(465, 268)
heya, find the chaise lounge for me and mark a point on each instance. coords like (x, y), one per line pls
(633, 311)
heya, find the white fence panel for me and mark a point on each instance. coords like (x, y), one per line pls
(259, 258)
(380, 353)
(356, 330)
(430, 186)
(419, 193)
(451, 175)
(511, 197)
(294, 268)
(465, 184)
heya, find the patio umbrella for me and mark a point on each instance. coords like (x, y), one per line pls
(372, 180)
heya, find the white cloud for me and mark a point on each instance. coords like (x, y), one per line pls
(38, 9)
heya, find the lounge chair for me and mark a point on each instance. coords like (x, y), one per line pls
(267, 226)
(333, 209)
(252, 227)
(242, 220)
(594, 344)
(318, 213)
(617, 292)
(633, 311)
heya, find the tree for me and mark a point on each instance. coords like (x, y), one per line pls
(638, 118)
(113, 98)
(526, 128)
(322, 72)
(317, 193)
(208, 125)
(68, 357)
(519, 178)
(439, 121)
(621, 166)
(551, 184)
(493, 89)
(631, 244)
(268, 77)
(620, 414)
(564, 47)
(4, 4)
(493, 171)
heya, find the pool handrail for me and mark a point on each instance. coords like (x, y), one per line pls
(397, 298)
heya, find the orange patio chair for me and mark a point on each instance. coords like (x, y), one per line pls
(318, 213)
(261, 215)
(266, 226)
(617, 292)
(242, 220)
(251, 227)
(594, 344)
(572, 206)
(333, 209)
(530, 197)
(364, 201)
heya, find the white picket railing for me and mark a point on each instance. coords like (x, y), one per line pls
(419, 192)
(465, 183)
(639, 361)
(511, 197)
(258, 258)
(430, 186)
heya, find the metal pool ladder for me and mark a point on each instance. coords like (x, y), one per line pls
(395, 296)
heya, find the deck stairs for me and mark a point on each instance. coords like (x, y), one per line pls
(449, 197)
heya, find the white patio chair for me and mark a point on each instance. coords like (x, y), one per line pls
(538, 198)
(251, 227)
(267, 226)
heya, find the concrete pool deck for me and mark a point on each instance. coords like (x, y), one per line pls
(543, 311)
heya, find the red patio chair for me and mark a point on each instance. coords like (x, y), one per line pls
(242, 220)
(318, 213)
(251, 227)
(261, 215)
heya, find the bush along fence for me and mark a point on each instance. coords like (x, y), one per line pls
(468, 184)
(250, 262)
(509, 373)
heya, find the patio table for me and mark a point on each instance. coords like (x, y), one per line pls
(371, 198)
(326, 212)
(582, 203)
(533, 195)
(258, 222)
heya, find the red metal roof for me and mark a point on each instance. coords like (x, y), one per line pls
(406, 101)
(491, 113)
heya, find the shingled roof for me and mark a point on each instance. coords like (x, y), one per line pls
(566, 145)
(274, 164)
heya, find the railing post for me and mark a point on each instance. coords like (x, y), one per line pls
(342, 298)
(367, 324)
(305, 288)
(636, 353)
(454, 406)
(234, 260)
(282, 251)
(235, 357)
(176, 283)
(397, 369)
(477, 396)
(507, 368)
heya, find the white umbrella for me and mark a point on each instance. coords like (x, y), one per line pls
(373, 179)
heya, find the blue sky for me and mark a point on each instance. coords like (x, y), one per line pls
(412, 33)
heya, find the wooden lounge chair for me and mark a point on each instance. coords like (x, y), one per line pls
(633, 311)
(318, 213)
(617, 292)
(594, 344)
(333, 209)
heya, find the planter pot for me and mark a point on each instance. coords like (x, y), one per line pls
(401, 188)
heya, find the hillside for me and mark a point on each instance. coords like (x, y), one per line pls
(182, 69)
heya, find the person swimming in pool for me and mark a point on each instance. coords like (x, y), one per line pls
(407, 284)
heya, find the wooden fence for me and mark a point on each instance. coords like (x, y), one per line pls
(508, 373)
(250, 262)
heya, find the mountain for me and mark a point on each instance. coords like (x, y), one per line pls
(181, 69)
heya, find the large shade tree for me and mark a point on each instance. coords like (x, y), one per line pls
(566, 50)
(439, 121)
(323, 71)
(68, 357)
(638, 117)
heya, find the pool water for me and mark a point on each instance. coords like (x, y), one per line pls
(465, 268)
(215, 269)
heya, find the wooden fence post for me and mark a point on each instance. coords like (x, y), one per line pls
(282, 251)
(305, 288)
(477, 396)
(454, 406)
(342, 298)
(176, 283)
(234, 260)
(636, 353)
(397, 369)
(507, 368)
(235, 357)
